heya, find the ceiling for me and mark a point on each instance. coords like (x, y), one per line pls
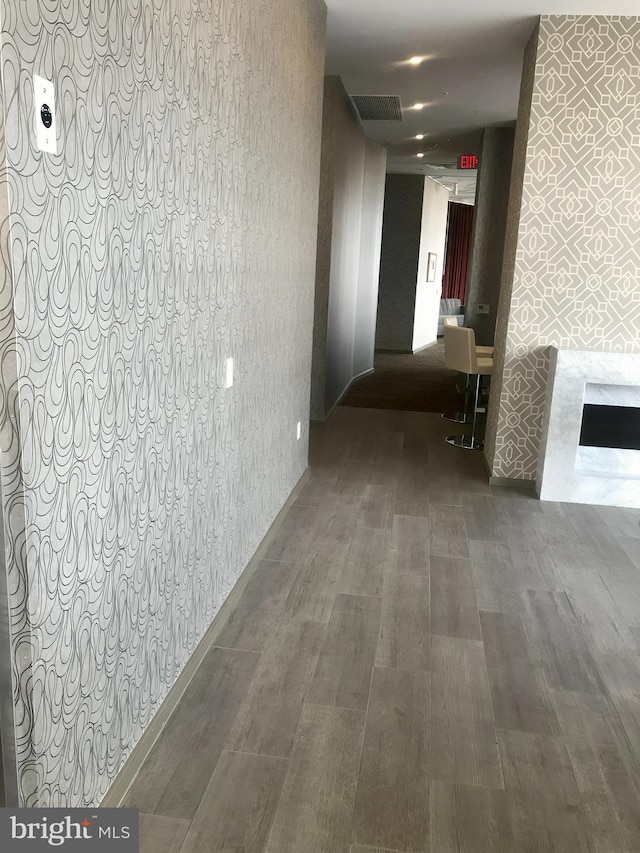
(469, 78)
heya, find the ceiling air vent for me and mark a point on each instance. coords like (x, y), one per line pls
(378, 107)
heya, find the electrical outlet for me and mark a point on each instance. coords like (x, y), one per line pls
(299, 431)
(483, 308)
(44, 105)
(229, 374)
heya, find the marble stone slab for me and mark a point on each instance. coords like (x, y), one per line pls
(612, 395)
(608, 462)
(574, 474)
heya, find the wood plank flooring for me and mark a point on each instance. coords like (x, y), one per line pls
(421, 663)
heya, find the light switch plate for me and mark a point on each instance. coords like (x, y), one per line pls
(483, 308)
(44, 105)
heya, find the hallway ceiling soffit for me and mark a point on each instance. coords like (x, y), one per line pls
(469, 77)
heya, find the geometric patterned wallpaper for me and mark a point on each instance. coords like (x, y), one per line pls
(175, 227)
(575, 255)
(518, 164)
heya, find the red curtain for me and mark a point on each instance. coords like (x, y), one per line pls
(456, 265)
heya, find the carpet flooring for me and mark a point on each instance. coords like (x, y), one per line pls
(409, 383)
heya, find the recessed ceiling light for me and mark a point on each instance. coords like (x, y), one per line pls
(418, 106)
(416, 60)
(420, 136)
(419, 155)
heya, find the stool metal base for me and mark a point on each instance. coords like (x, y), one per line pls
(458, 418)
(465, 442)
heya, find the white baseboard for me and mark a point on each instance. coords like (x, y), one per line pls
(130, 769)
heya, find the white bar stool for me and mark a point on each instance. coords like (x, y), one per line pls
(462, 355)
(482, 352)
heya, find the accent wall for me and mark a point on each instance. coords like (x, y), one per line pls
(175, 228)
(572, 256)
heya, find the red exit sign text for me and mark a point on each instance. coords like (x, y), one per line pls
(468, 161)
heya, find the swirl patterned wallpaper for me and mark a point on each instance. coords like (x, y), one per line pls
(175, 227)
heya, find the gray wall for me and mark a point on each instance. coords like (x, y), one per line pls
(177, 226)
(370, 249)
(347, 267)
(573, 246)
(490, 223)
(401, 229)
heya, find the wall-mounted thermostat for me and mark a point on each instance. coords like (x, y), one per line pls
(44, 104)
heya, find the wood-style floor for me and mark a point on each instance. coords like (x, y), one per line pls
(420, 663)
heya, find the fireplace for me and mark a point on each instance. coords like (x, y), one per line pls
(590, 452)
(610, 426)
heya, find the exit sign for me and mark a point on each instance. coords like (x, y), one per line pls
(468, 161)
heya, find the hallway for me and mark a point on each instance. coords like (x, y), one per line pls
(419, 663)
(408, 382)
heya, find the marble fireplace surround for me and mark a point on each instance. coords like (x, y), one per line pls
(589, 475)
